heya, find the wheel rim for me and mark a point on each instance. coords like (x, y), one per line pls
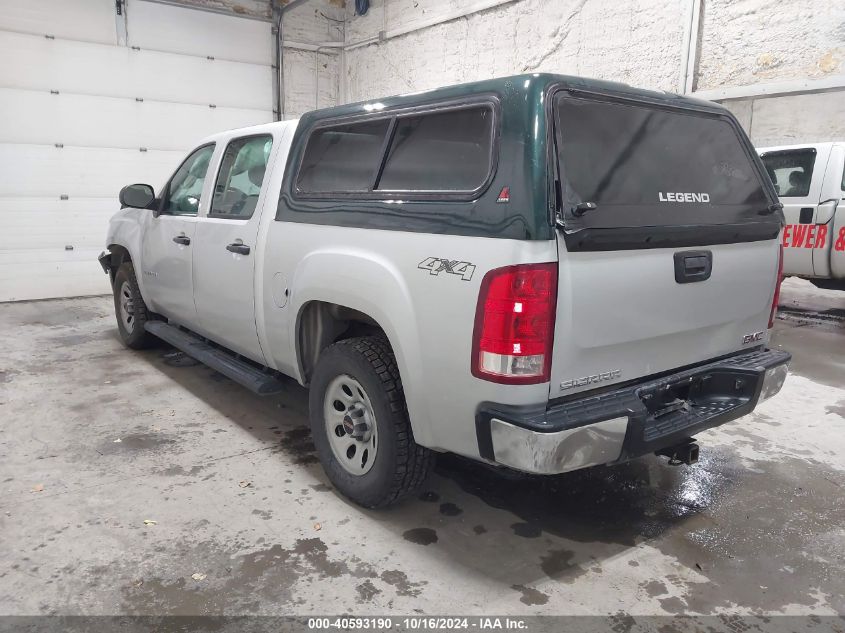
(350, 425)
(127, 306)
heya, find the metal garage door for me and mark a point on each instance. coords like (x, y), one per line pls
(91, 100)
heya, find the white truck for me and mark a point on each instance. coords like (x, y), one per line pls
(810, 181)
(539, 272)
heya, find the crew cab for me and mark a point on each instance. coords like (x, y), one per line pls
(539, 272)
(810, 180)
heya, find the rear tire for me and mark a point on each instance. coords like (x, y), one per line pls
(360, 425)
(130, 309)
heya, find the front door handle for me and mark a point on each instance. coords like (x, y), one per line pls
(240, 249)
(805, 216)
(182, 239)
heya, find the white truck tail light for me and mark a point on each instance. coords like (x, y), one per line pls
(514, 324)
(776, 296)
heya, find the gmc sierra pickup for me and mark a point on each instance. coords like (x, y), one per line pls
(540, 272)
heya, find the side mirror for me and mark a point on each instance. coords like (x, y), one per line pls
(136, 196)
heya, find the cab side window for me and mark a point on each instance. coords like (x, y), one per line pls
(240, 177)
(185, 188)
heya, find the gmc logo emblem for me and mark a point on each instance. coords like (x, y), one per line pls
(753, 337)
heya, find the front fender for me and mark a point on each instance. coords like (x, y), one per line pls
(364, 281)
(126, 229)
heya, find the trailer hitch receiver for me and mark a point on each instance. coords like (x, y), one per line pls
(684, 453)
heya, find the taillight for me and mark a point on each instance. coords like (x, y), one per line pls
(778, 281)
(514, 324)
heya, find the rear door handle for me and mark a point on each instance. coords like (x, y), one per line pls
(692, 266)
(240, 249)
(182, 239)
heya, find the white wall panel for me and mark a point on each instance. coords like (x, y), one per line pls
(300, 81)
(50, 223)
(760, 41)
(401, 14)
(51, 273)
(315, 22)
(792, 118)
(193, 32)
(118, 71)
(635, 42)
(114, 99)
(69, 119)
(89, 20)
(328, 80)
(48, 172)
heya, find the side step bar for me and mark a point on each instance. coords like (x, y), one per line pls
(218, 359)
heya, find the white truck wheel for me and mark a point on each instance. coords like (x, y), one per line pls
(360, 424)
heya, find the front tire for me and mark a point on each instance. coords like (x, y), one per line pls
(360, 425)
(130, 309)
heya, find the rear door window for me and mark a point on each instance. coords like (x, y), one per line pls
(649, 166)
(240, 177)
(791, 171)
(442, 151)
(342, 158)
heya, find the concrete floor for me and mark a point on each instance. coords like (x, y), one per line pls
(96, 440)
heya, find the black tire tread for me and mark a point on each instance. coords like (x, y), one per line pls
(142, 313)
(413, 462)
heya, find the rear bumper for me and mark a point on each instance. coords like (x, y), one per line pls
(631, 421)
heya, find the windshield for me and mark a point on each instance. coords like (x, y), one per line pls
(648, 166)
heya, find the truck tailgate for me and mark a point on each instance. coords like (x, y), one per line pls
(668, 247)
(621, 314)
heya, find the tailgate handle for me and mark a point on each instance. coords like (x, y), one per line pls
(692, 266)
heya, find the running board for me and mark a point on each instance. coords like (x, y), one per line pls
(220, 360)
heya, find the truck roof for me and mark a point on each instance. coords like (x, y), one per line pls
(251, 129)
(514, 88)
(519, 165)
(520, 91)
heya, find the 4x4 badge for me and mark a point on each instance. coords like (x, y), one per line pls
(436, 265)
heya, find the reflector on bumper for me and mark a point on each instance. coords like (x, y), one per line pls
(773, 381)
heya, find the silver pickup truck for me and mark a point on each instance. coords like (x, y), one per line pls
(539, 272)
